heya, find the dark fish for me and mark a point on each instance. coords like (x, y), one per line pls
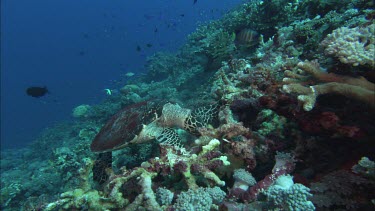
(182, 15)
(138, 48)
(35, 91)
(149, 45)
(195, 1)
(155, 30)
(82, 53)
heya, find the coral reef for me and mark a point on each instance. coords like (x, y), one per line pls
(249, 120)
(81, 111)
(189, 166)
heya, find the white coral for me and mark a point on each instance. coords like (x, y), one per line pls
(354, 46)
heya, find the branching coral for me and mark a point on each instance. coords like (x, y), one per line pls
(285, 164)
(192, 165)
(355, 88)
(225, 131)
(233, 79)
(216, 43)
(133, 189)
(112, 197)
(9, 193)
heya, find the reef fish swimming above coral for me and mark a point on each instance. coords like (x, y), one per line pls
(36, 91)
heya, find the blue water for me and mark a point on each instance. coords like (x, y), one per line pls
(79, 48)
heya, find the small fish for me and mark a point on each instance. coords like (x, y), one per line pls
(36, 91)
(129, 74)
(138, 48)
(155, 30)
(195, 1)
(108, 91)
(182, 15)
(149, 45)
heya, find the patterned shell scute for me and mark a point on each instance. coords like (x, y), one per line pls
(125, 126)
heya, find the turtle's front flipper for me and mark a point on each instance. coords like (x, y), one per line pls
(103, 161)
(169, 137)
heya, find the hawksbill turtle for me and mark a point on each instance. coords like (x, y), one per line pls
(143, 122)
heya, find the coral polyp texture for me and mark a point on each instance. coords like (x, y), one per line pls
(355, 46)
(289, 196)
(270, 107)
